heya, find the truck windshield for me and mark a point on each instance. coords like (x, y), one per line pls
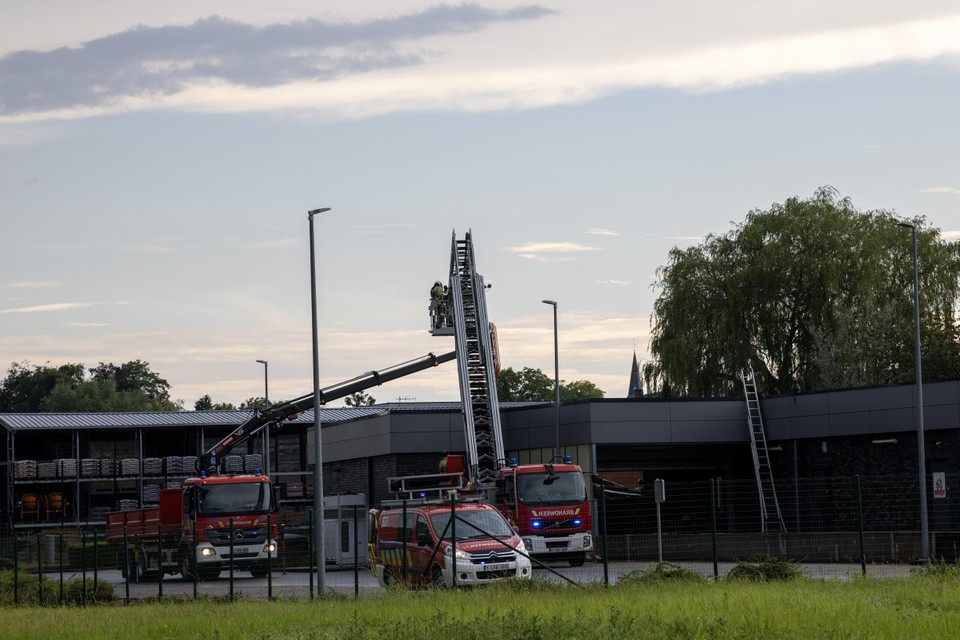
(474, 523)
(230, 499)
(560, 487)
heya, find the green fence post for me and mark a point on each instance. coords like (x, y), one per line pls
(403, 547)
(310, 550)
(713, 525)
(270, 540)
(193, 558)
(83, 565)
(603, 535)
(159, 562)
(356, 556)
(126, 565)
(863, 554)
(453, 540)
(60, 554)
(16, 570)
(231, 559)
(39, 569)
(96, 561)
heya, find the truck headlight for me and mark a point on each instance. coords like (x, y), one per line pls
(460, 554)
(206, 552)
(271, 547)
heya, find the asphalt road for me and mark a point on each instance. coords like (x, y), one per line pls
(296, 584)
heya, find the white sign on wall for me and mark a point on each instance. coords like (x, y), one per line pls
(939, 485)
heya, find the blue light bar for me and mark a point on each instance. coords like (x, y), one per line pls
(535, 524)
(576, 522)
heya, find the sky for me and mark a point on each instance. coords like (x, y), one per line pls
(157, 162)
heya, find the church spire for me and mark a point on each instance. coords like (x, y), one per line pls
(636, 387)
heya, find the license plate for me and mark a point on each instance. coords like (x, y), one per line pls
(496, 566)
(237, 550)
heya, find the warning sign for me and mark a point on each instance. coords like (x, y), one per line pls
(939, 485)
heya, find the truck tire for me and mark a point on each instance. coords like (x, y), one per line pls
(577, 559)
(209, 573)
(186, 567)
(258, 571)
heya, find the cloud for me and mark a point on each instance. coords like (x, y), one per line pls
(29, 284)
(86, 324)
(151, 64)
(58, 306)
(602, 232)
(950, 235)
(941, 190)
(615, 282)
(551, 247)
(42, 308)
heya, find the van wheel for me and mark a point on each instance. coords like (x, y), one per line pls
(436, 577)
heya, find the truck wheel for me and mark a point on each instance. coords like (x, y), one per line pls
(577, 559)
(140, 568)
(186, 567)
(258, 571)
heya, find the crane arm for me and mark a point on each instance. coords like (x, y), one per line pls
(210, 459)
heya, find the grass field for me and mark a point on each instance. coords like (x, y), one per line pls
(917, 607)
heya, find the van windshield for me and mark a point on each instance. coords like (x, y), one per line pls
(473, 523)
(234, 499)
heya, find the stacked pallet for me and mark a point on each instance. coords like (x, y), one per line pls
(66, 467)
(90, 467)
(129, 467)
(189, 465)
(108, 467)
(25, 469)
(252, 462)
(173, 465)
(151, 494)
(233, 464)
(152, 466)
(46, 469)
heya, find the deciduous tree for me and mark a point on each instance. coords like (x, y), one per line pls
(811, 291)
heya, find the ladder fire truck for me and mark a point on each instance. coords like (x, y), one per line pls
(547, 502)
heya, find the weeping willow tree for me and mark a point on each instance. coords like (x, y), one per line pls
(812, 292)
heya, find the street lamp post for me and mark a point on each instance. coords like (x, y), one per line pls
(265, 440)
(317, 440)
(921, 448)
(556, 371)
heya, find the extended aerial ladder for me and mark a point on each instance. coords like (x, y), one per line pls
(461, 310)
(770, 516)
(278, 413)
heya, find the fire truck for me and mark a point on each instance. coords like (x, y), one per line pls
(547, 502)
(221, 519)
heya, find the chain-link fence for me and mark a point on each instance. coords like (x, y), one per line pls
(831, 527)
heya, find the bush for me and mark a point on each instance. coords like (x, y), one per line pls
(107, 556)
(661, 572)
(938, 569)
(24, 588)
(765, 569)
(97, 592)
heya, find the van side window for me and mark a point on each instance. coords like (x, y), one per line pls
(423, 532)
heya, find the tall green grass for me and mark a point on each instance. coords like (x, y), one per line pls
(916, 607)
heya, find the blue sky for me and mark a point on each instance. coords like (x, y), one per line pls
(157, 162)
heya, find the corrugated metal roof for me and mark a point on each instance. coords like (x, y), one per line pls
(162, 419)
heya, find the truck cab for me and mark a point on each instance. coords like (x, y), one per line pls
(423, 548)
(549, 506)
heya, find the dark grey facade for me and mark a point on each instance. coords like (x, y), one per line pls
(869, 431)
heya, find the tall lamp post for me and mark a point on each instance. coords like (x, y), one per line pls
(317, 440)
(556, 371)
(266, 432)
(921, 449)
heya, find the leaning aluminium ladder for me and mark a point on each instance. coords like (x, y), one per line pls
(770, 516)
(475, 364)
